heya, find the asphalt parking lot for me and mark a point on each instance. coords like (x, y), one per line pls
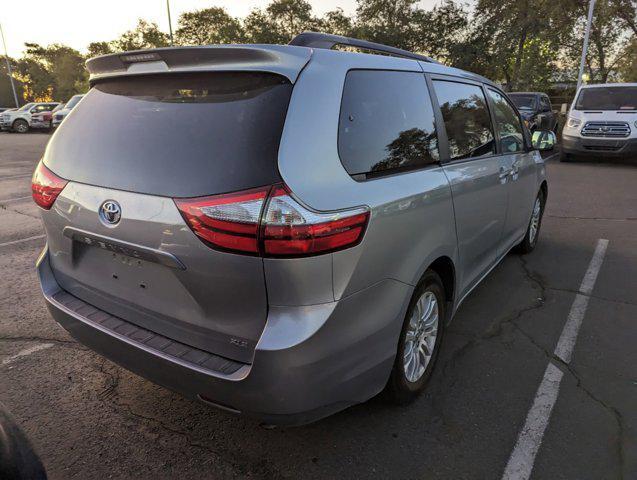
(88, 418)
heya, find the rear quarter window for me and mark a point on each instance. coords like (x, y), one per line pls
(386, 123)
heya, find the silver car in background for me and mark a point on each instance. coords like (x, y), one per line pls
(61, 114)
(281, 231)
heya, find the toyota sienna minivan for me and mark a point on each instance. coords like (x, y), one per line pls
(281, 231)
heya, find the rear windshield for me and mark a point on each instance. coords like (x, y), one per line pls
(523, 102)
(607, 98)
(180, 135)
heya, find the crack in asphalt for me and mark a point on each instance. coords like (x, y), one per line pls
(3, 206)
(596, 297)
(566, 217)
(110, 392)
(615, 413)
(497, 328)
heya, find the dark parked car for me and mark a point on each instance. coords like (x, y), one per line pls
(536, 110)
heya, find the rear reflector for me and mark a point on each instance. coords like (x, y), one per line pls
(46, 186)
(268, 221)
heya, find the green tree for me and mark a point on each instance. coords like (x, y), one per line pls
(517, 38)
(336, 22)
(144, 35)
(54, 72)
(6, 92)
(281, 21)
(628, 68)
(388, 21)
(96, 49)
(440, 30)
(608, 41)
(626, 12)
(209, 26)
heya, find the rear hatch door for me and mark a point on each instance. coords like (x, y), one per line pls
(141, 141)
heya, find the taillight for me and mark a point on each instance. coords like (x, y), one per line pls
(270, 222)
(290, 229)
(229, 221)
(46, 186)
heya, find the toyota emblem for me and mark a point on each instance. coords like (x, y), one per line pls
(110, 212)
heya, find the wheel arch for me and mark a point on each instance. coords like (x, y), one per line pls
(544, 188)
(446, 270)
(19, 120)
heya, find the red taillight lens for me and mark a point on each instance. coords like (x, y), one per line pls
(270, 222)
(290, 229)
(229, 221)
(46, 186)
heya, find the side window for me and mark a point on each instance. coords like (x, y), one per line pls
(386, 122)
(467, 121)
(507, 123)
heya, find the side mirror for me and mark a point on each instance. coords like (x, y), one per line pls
(564, 109)
(543, 140)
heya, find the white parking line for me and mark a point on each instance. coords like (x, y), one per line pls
(566, 343)
(17, 199)
(529, 440)
(28, 239)
(26, 352)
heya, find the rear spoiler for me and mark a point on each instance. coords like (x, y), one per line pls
(280, 59)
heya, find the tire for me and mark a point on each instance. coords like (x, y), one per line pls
(532, 234)
(20, 126)
(401, 389)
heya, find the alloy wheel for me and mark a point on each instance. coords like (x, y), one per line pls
(421, 336)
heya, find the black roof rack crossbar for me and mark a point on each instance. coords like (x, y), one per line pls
(328, 41)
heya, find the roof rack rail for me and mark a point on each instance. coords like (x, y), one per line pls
(329, 41)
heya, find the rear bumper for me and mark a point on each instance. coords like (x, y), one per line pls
(599, 146)
(310, 362)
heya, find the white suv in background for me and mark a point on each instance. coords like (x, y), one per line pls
(21, 120)
(601, 121)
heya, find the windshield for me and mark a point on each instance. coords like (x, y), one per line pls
(25, 107)
(73, 101)
(607, 98)
(523, 102)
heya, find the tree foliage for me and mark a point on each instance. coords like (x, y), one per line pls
(6, 92)
(524, 44)
(209, 26)
(52, 72)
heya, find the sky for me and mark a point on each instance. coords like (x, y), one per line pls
(76, 23)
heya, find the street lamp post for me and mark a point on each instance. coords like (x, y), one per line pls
(170, 23)
(6, 56)
(591, 7)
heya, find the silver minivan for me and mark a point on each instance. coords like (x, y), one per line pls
(281, 231)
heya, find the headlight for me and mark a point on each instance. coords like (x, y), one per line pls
(573, 122)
